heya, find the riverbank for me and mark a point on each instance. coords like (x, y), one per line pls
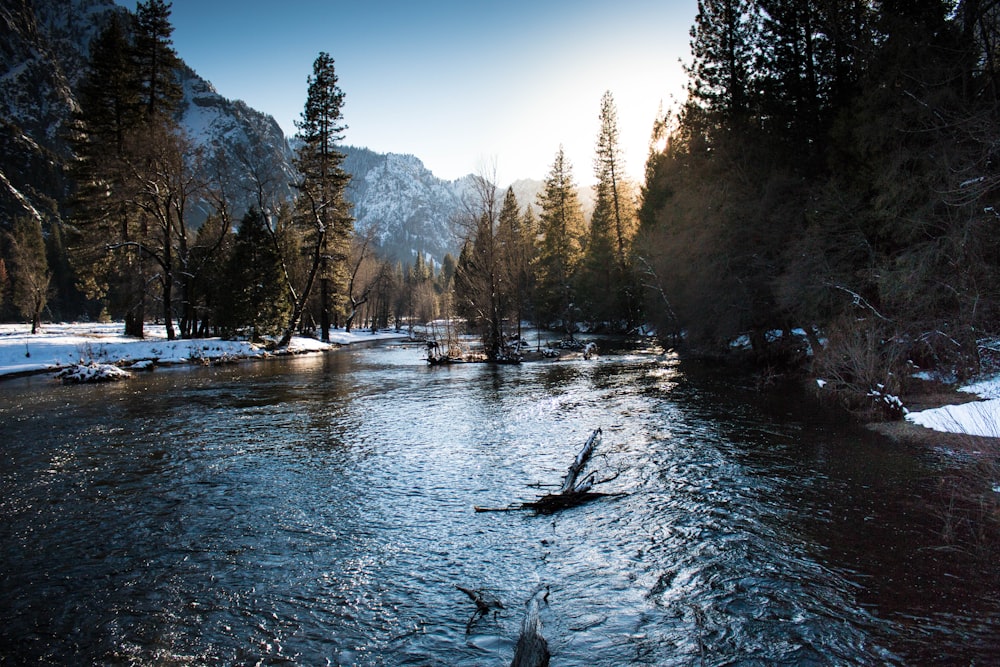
(60, 346)
(939, 415)
(964, 417)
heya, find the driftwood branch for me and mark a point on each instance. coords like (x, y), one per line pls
(554, 502)
(573, 490)
(569, 483)
(483, 602)
(513, 507)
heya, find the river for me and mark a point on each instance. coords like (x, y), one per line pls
(319, 510)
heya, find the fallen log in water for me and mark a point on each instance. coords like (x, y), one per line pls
(532, 650)
(573, 490)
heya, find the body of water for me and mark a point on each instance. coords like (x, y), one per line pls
(319, 510)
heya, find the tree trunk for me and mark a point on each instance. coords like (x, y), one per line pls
(168, 284)
(135, 317)
(168, 305)
(532, 650)
(324, 308)
(300, 302)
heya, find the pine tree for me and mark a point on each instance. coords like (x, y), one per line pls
(606, 278)
(447, 273)
(323, 209)
(723, 40)
(256, 301)
(561, 248)
(515, 233)
(612, 185)
(109, 112)
(789, 60)
(135, 169)
(109, 94)
(156, 61)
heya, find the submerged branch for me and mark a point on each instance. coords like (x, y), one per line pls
(484, 604)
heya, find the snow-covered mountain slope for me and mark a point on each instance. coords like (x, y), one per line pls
(237, 139)
(44, 46)
(407, 208)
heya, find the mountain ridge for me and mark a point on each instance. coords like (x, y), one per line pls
(44, 48)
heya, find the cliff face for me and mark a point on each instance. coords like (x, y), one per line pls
(42, 56)
(409, 209)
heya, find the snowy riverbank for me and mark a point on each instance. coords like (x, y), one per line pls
(58, 347)
(61, 346)
(977, 418)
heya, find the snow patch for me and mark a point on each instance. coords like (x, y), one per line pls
(92, 372)
(63, 346)
(979, 418)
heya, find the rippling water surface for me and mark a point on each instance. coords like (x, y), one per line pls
(320, 511)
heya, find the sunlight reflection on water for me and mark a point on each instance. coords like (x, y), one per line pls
(320, 509)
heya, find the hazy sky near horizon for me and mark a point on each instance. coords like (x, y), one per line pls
(466, 86)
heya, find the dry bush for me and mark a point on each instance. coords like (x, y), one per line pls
(861, 362)
(970, 519)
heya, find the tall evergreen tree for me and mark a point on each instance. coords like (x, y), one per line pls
(256, 299)
(516, 234)
(156, 61)
(789, 58)
(135, 168)
(109, 112)
(108, 95)
(562, 231)
(607, 280)
(323, 209)
(723, 41)
(612, 185)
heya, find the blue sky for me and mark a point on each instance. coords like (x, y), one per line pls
(468, 87)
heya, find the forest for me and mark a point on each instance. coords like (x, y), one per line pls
(824, 192)
(832, 173)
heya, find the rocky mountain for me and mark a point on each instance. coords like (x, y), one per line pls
(44, 46)
(406, 207)
(236, 138)
(526, 192)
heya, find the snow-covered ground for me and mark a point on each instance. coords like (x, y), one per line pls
(60, 346)
(980, 418)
